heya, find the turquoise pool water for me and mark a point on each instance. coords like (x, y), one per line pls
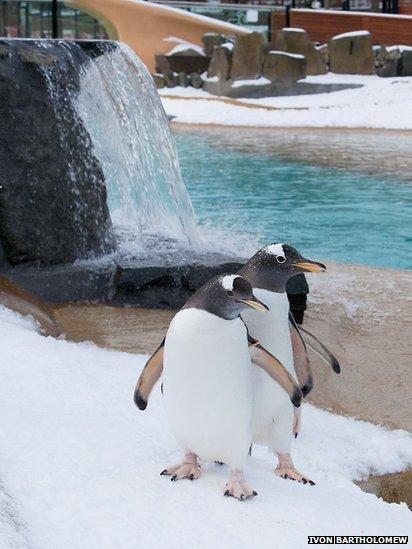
(344, 197)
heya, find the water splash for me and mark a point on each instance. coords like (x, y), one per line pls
(121, 109)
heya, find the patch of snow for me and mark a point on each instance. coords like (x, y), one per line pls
(380, 103)
(262, 81)
(81, 464)
(228, 45)
(351, 34)
(293, 29)
(286, 54)
(401, 48)
(185, 46)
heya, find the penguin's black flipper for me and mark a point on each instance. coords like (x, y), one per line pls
(261, 357)
(150, 374)
(300, 358)
(319, 348)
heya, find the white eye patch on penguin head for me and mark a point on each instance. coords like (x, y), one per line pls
(288, 259)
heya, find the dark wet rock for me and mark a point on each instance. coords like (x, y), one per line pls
(181, 63)
(170, 79)
(53, 206)
(248, 56)
(387, 62)
(352, 53)
(167, 286)
(159, 81)
(196, 81)
(210, 40)
(297, 41)
(183, 80)
(284, 67)
(86, 281)
(406, 63)
(221, 63)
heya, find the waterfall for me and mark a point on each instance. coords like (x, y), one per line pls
(120, 107)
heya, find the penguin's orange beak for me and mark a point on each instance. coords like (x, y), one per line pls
(255, 304)
(310, 266)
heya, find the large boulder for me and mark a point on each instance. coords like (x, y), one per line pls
(196, 81)
(352, 53)
(297, 41)
(248, 56)
(387, 61)
(180, 62)
(284, 67)
(210, 40)
(221, 63)
(406, 62)
(53, 202)
(159, 81)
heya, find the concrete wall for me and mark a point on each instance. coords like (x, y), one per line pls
(144, 26)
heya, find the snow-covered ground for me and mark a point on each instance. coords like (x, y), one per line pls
(380, 103)
(79, 465)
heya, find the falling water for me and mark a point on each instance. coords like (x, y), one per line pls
(121, 109)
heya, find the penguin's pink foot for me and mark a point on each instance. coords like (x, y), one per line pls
(237, 487)
(297, 421)
(286, 469)
(188, 468)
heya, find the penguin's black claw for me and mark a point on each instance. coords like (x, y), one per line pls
(164, 472)
(174, 477)
(296, 435)
(219, 462)
(191, 477)
(311, 483)
(242, 497)
(226, 493)
(254, 493)
(304, 481)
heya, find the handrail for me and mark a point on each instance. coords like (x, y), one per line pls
(217, 5)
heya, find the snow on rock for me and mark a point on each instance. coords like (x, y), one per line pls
(351, 34)
(81, 464)
(286, 54)
(185, 47)
(293, 29)
(379, 103)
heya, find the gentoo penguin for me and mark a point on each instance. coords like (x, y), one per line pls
(207, 379)
(275, 420)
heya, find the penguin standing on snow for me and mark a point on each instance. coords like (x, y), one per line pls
(275, 420)
(207, 379)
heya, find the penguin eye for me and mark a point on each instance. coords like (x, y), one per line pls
(230, 293)
(280, 259)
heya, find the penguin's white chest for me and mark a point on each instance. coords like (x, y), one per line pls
(272, 328)
(208, 385)
(272, 404)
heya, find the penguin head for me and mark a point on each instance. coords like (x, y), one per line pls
(239, 293)
(225, 296)
(272, 266)
(287, 260)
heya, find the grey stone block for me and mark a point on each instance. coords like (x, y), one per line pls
(284, 67)
(248, 56)
(221, 63)
(351, 53)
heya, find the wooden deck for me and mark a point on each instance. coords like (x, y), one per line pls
(322, 25)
